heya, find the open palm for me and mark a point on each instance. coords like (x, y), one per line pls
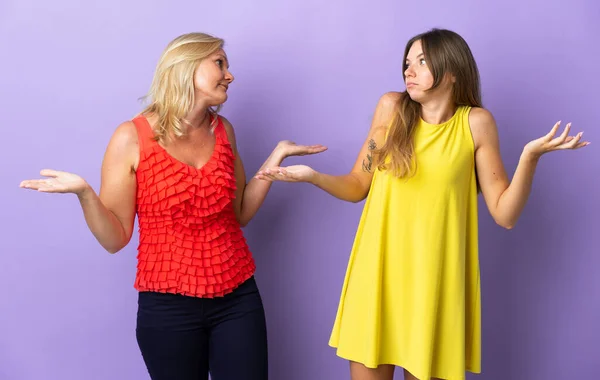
(551, 142)
(293, 173)
(56, 182)
(290, 148)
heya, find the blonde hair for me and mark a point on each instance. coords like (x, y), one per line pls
(171, 95)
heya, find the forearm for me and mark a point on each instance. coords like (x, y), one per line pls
(348, 187)
(103, 224)
(512, 201)
(256, 190)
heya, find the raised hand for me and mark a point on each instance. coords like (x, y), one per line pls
(289, 148)
(551, 142)
(294, 173)
(56, 182)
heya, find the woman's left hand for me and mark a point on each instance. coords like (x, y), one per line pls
(551, 142)
(288, 148)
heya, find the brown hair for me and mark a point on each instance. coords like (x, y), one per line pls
(446, 52)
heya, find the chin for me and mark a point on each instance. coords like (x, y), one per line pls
(219, 101)
(415, 96)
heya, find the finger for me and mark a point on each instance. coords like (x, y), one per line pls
(33, 183)
(47, 189)
(563, 136)
(266, 172)
(579, 144)
(570, 143)
(582, 144)
(271, 177)
(263, 178)
(271, 170)
(50, 173)
(574, 141)
(284, 175)
(311, 150)
(552, 132)
(280, 175)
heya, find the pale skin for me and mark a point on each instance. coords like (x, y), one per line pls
(110, 214)
(504, 199)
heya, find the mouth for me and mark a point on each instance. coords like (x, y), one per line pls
(410, 84)
(224, 86)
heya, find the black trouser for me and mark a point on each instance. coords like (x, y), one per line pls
(183, 338)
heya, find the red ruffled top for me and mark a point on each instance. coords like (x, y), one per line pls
(190, 240)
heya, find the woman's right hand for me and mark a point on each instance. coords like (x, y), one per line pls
(294, 173)
(57, 182)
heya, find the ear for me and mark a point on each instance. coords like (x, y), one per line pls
(449, 78)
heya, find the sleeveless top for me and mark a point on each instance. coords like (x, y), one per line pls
(190, 241)
(411, 293)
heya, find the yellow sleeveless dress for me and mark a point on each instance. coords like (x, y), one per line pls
(411, 293)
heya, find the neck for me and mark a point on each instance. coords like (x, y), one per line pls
(438, 111)
(196, 118)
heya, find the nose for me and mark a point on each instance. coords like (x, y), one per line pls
(229, 76)
(409, 71)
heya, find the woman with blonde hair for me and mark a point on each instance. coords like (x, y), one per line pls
(176, 165)
(411, 296)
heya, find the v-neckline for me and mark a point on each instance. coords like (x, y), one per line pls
(185, 164)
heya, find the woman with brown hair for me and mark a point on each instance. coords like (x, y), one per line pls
(411, 296)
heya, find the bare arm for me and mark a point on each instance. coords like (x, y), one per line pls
(506, 200)
(110, 215)
(250, 196)
(354, 186)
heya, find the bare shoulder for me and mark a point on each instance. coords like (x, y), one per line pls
(387, 107)
(388, 103)
(123, 145)
(483, 126)
(390, 99)
(125, 135)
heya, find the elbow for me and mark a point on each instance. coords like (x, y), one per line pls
(506, 224)
(242, 221)
(112, 249)
(360, 197)
(115, 247)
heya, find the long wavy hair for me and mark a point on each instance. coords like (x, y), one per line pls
(446, 52)
(171, 95)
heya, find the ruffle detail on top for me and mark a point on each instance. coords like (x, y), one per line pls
(190, 240)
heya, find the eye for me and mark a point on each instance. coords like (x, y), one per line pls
(220, 62)
(422, 61)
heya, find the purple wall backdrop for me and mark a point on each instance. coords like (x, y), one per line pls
(311, 71)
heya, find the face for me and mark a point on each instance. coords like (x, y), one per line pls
(212, 79)
(419, 78)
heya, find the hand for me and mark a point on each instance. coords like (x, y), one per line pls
(549, 143)
(294, 173)
(58, 182)
(288, 148)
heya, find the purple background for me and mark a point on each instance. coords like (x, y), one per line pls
(311, 71)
